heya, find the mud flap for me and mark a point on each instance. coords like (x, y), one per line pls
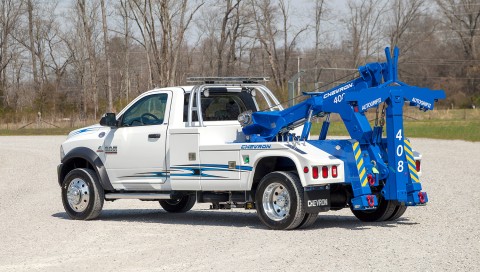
(317, 198)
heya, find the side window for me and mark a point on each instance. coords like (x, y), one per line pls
(149, 110)
(222, 106)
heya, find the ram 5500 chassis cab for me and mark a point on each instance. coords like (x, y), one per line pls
(211, 143)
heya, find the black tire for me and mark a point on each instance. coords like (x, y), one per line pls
(293, 210)
(82, 194)
(398, 212)
(181, 205)
(384, 211)
(308, 220)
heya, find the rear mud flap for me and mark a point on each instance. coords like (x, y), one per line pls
(317, 198)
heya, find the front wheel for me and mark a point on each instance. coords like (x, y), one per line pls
(279, 200)
(180, 205)
(82, 194)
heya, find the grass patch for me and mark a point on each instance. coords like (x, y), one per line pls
(35, 131)
(468, 130)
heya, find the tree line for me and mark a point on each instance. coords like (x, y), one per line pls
(81, 58)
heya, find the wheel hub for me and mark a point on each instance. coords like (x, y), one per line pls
(276, 201)
(78, 195)
(281, 201)
(74, 196)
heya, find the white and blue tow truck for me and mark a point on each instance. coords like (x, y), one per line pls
(213, 143)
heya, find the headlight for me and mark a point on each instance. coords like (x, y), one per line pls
(62, 153)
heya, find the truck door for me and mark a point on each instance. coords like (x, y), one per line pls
(135, 151)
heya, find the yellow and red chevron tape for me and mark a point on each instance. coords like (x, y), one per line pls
(360, 165)
(411, 161)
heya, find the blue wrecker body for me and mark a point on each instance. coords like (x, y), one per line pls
(372, 162)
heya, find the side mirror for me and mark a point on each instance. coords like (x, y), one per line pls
(109, 120)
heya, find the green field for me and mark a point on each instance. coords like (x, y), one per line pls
(35, 131)
(468, 130)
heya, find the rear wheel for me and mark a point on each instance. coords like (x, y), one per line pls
(399, 211)
(308, 220)
(180, 205)
(384, 211)
(82, 194)
(279, 201)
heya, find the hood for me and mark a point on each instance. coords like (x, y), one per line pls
(85, 130)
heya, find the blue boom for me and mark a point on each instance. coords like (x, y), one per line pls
(381, 159)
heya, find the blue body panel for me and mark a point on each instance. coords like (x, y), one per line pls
(344, 153)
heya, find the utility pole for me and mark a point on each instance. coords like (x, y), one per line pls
(298, 71)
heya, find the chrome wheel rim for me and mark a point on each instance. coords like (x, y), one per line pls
(78, 195)
(276, 201)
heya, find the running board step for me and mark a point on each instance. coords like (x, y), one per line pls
(141, 196)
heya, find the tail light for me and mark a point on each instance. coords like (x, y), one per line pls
(334, 171)
(315, 172)
(325, 171)
(305, 169)
(417, 165)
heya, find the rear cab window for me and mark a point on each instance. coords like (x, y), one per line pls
(220, 105)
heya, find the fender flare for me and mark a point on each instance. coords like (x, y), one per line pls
(275, 153)
(91, 157)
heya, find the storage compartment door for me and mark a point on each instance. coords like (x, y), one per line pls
(220, 170)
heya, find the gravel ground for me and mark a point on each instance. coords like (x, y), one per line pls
(130, 235)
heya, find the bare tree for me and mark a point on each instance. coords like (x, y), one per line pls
(364, 28)
(59, 58)
(265, 14)
(463, 18)
(231, 14)
(125, 14)
(320, 10)
(10, 11)
(88, 18)
(32, 43)
(404, 13)
(175, 21)
(107, 57)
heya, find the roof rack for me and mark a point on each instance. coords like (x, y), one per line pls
(226, 80)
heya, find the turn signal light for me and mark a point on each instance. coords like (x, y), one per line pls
(315, 172)
(417, 165)
(325, 172)
(334, 171)
(305, 169)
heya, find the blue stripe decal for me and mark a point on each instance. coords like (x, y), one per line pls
(82, 131)
(193, 170)
(296, 149)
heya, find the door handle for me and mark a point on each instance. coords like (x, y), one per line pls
(154, 136)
